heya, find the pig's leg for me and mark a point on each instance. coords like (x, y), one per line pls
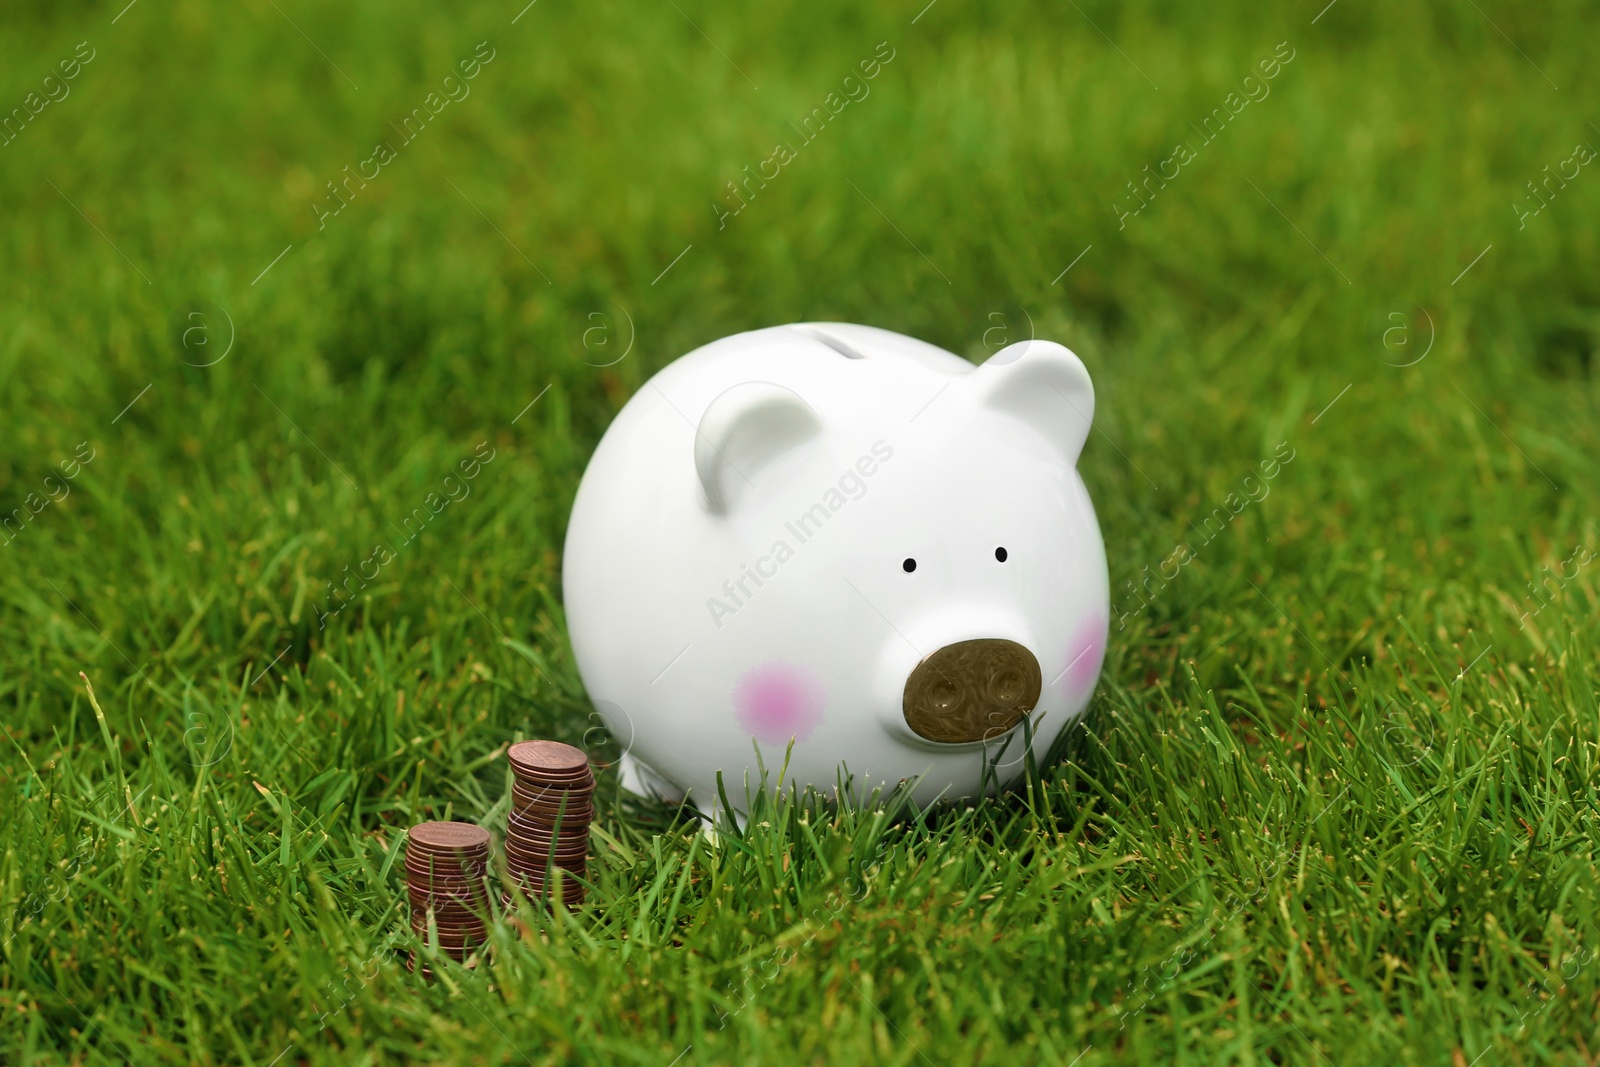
(718, 816)
(640, 779)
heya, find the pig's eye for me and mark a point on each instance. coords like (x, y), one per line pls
(908, 565)
(1000, 554)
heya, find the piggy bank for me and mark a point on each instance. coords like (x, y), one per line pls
(830, 555)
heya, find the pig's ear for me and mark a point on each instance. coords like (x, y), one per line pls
(745, 429)
(1043, 385)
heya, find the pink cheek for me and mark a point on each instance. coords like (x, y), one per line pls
(777, 701)
(1084, 656)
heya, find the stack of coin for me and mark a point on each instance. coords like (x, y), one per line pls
(446, 863)
(548, 828)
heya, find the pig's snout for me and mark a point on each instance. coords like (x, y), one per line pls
(971, 690)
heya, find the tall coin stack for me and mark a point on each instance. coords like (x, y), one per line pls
(446, 863)
(552, 806)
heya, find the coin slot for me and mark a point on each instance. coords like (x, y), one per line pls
(831, 341)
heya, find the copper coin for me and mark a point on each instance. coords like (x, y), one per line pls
(545, 850)
(466, 897)
(456, 950)
(532, 829)
(534, 793)
(478, 904)
(452, 930)
(543, 872)
(542, 843)
(453, 884)
(541, 869)
(534, 849)
(523, 826)
(576, 782)
(520, 865)
(534, 884)
(569, 890)
(446, 890)
(443, 880)
(422, 854)
(551, 800)
(541, 837)
(547, 757)
(459, 953)
(454, 836)
(525, 898)
(522, 899)
(458, 916)
(450, 943)
(440, 837)
(423, 901)
(542, 855)
(547, 814)
(439, 880)
(517, 826)
(548, 808)
(451, 915)
(520, 823)
(439, 898)
(447, 866)
(452, 935)
(444, 877)
(584, 784)
(423, 861)
(542, 877)
(463, 928)
(568, 827)
(582, 779)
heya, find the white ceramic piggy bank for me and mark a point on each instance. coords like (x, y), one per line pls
(845, 539)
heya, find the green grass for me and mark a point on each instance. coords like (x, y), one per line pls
(1335, 799)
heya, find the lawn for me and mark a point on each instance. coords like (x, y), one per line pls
(269, 272)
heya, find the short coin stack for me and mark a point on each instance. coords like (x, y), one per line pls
(446, 863)
(548, 828)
